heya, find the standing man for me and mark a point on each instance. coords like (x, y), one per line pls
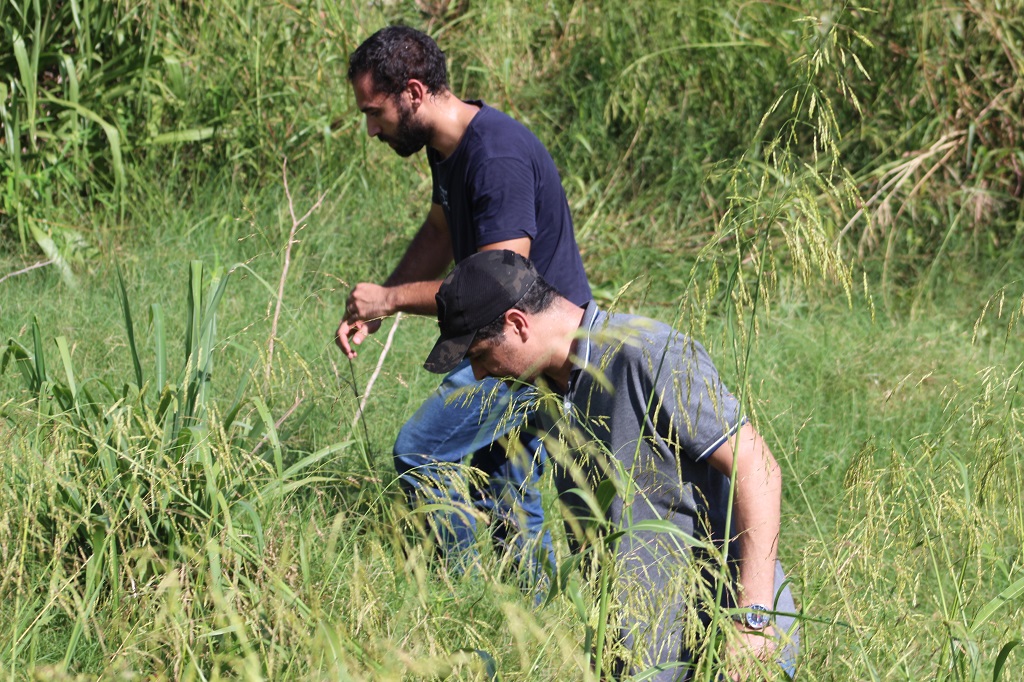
(495, 186)
(642, 413)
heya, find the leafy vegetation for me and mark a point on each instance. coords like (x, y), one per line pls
(830, 198)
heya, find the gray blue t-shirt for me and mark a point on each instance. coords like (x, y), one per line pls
(649, 397)
(644, 409)
(501, 183)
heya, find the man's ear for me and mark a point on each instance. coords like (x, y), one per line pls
(417, 92)
(520, 323)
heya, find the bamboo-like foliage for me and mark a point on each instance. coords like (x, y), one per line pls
(644, 108)
(144, 475)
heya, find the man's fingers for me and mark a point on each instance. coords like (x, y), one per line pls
(353, 333)
(345, 330)
(358, 337)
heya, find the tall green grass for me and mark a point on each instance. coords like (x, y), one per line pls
(902, 522)
(804, 190)
(644, 109)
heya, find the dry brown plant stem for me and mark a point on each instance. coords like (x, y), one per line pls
(30, 268)
(376, 371)
(297, 224)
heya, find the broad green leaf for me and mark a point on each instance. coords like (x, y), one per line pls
(49, 247)
(255, 520)
(661, 526)
(25, 364)
(129, 326)
(312, 459)
(28, 81)
(1012, 592)
(997, 671)
(69, 372)
(178, 136)
(113, 136)
(71, 74)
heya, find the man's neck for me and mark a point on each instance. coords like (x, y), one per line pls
(565, 318)
(451, 117)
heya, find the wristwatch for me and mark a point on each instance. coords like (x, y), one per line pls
(756, 617)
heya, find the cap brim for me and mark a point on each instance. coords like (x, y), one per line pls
(448, 353)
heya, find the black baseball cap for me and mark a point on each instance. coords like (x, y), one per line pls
(477, 292)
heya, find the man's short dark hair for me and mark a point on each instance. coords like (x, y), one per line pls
(538, 298)
(395, 54)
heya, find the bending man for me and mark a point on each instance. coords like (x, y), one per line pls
(641, 412)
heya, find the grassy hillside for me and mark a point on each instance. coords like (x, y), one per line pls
(830, 200)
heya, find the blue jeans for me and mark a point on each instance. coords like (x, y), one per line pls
(449, 455)
(665, 645)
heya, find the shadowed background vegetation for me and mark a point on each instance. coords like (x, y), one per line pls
(828, 195)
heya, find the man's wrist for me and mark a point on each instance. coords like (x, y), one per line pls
(753, 617)
(390, 299)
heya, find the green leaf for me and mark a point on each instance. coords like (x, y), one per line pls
(660, 526)
(129, 327)
(271, 435)
(606, 493)
(178, 136)
(49, 247)
(312, 459)
(156, 315)
(1012, 592)
(72, 77)
(997, 671)
(113, 136)
(69, 372)
(254, 518)
(28, 80)
(37, 343)
(25, 364)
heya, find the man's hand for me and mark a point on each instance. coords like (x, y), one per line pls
(366, 305)
(745, 651)
(352, 333)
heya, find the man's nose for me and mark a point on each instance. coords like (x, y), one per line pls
(372, 129)
(479, 373)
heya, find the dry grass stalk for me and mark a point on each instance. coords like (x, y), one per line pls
(297, 224)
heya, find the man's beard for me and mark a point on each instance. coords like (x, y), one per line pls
(410, 135)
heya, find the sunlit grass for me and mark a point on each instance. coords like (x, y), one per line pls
(877, 338)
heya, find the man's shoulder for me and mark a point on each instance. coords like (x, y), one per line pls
(639, 330)
(495, 133)
(489, 116)
(637, 339)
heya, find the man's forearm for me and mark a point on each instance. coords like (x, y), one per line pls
(414, 283)
(417, 298)
(757, 519)
(428, 254)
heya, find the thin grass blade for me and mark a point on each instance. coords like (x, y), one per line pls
(156, 314)
(1009, 594)
(271, 435)
(997, 671)
(37, 347)
(69, 372)
(129, 326)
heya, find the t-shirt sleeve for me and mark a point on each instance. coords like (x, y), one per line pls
(693, 408)
(503, 201)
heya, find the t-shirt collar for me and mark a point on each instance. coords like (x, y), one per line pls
(586, 347)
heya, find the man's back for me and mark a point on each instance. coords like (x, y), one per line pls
(500, 184)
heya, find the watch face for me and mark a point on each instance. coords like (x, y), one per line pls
(758, 617)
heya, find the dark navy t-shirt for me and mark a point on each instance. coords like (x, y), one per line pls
(500, 183)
